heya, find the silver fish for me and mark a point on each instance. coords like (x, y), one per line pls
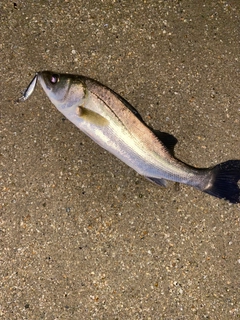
(116, 126)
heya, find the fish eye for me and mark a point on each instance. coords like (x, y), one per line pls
(54, 78)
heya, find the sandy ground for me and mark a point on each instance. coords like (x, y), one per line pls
(82, 235)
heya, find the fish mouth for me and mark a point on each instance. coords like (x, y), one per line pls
(46, 79)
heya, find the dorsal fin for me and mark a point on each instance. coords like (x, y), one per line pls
(167, 139)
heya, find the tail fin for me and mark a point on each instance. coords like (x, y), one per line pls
(225, 181)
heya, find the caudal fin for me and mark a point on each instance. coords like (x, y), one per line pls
(225, 181)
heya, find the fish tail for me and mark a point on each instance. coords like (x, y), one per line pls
(225, 181)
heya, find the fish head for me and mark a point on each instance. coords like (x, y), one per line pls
(64, 91)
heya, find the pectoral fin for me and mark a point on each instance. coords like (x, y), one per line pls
(91, 116)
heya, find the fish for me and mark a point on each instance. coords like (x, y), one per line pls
(115, 125)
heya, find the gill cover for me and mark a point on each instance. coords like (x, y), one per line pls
(62, 89)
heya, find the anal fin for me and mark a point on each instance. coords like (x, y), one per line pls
(158, 181)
